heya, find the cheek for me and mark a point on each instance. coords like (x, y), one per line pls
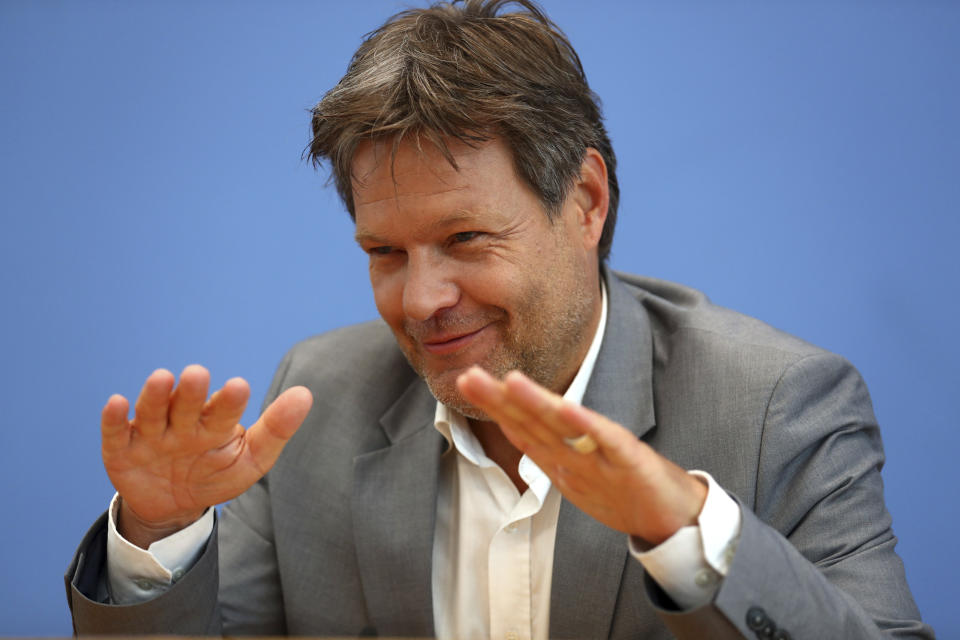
(388, 296)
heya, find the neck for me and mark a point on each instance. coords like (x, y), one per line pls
(500, 450)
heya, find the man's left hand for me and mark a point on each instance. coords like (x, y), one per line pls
(623, 483)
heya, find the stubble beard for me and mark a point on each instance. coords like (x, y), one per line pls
(546, 343)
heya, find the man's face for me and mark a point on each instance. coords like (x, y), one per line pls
(467, 269)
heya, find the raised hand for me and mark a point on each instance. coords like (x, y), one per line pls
(183, 452)
(621, 481)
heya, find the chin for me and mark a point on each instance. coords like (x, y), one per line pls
(447, 393)
(470, 412)
(443, 384)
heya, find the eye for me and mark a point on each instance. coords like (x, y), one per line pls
(381, 251)
(464, 236)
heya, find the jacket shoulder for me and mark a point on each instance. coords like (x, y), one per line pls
(359, 364)
(683, 318)
(350, 345)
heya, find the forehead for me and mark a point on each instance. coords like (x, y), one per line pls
(419, 169)
(418, 193)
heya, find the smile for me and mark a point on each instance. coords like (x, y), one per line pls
(444, 345)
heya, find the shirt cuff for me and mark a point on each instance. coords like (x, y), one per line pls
(690, 565)
(135, 574)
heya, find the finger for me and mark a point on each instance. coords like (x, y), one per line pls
(225, 407)
(267, 437)
(570, 422)
(534, 417)
(545, 409)
(518, 425)
(150, 412)
(114, 426)
(488, 394)
(561, 428)
(189, 397)
(616, 443)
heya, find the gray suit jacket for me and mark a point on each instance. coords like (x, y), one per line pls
(337, 539)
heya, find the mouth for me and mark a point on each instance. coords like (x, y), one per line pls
(450, 343)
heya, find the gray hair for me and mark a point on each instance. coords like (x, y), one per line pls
(458, 70)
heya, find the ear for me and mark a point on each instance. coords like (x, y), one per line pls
(591, 196)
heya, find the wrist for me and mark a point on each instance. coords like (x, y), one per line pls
(142, 532)
(680, 507)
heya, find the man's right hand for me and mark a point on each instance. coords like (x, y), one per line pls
(183, 453)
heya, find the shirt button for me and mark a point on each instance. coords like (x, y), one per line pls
(704, 578)
(512, 635)
(178, 574)
(143, 584)
(510, 528)
(729, 552)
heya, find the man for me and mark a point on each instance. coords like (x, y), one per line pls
(446, 480)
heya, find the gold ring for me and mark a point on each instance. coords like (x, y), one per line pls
(582, 444)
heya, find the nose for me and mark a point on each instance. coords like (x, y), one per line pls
(429, 287)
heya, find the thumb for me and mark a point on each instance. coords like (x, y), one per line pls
(277, 424)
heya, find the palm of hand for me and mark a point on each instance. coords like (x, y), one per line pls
(183, 452)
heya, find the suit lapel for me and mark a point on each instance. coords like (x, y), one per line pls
(395, 497)
(621, 386)
(394, 512)
(589, 558)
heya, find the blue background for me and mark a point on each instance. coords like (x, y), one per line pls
(796, 161)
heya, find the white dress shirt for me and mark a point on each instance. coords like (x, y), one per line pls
(493, 547)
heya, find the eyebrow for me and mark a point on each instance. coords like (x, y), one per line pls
(361, 237)
(456, 217)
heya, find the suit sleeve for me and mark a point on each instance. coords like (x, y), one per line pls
(815, 558)
(188, 608)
